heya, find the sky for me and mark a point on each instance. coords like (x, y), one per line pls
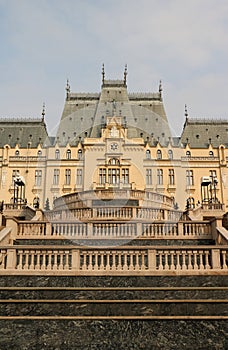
(45, 42)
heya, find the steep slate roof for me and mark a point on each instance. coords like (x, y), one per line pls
(199, 133)
(22, 131)
(142, 113)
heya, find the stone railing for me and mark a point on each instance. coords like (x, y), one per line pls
(108, 261)
(70, 199)
(113, 230)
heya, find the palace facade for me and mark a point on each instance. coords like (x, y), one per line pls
(114, 140)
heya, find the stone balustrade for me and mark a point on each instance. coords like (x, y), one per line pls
(103, 260)
(96, 230)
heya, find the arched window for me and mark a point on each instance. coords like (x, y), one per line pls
(170, 154)
(159, 154)
(114, 161)
(188, 154)
(17, 153)
(57, 154)
(79, 154)
(68, 154)
(148, 155)
(211, 154)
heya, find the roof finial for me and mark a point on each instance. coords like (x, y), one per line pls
(67, 89)
(160, 87)
(103, 73)
(43, 112)
(186, 111)
(125, 75)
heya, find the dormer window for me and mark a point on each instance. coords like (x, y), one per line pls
(188, 154)
(79, 154)
(170, 154)
(68, 154)
(39, 153)
(17, 153)
(159, 154)
(57, 154)
(148, 155)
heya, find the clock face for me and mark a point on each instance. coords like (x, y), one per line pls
(114, 146)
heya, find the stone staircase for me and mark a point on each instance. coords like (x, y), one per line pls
(135, 312)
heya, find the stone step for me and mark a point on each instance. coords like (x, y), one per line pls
(111, 293)
(100, 308)
(116, 242)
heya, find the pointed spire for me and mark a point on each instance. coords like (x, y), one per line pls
(160, 89)
(125, 75)
(186, 111)
(67, 89)
(43, 112)
(103, 74)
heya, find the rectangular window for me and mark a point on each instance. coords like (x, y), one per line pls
(159, 176)
(102, 176)
(171, 177)
(189, 178)
(56, 177)
(15, 173)
(148, 176)
(79, 177)
(213, 174)
(125, 175)
(38, 177)
(67, 176)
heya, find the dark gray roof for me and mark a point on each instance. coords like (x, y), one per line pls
(142, 113)
(199, 133)
(23, 131)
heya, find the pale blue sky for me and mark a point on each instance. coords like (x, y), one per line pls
(182, 42)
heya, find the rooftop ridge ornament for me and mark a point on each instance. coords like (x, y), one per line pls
(125, 75)
(43, 111)
(103, 74)
(160, 89)
(67, 89)
(185, 111)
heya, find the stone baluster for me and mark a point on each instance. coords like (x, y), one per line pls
(178, 266)
(166, 253)
(84, 263)
(195, 265)
(26, 264)
(49, 262)
(136, 260)
(201, 266)
(60, 253)
(160, 264)
(125, 266)
(119, 263)
(190, 260)
(184, 266)
(90, 265)
(38, 262)
(102, 261)
(172, 266)
(32, 265)
(207, 266)
(43, 265)
(20, 260)
(224, 264)
(108, 267)
(67, 254)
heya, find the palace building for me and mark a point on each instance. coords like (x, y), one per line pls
(114, 140)
(113, 228)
